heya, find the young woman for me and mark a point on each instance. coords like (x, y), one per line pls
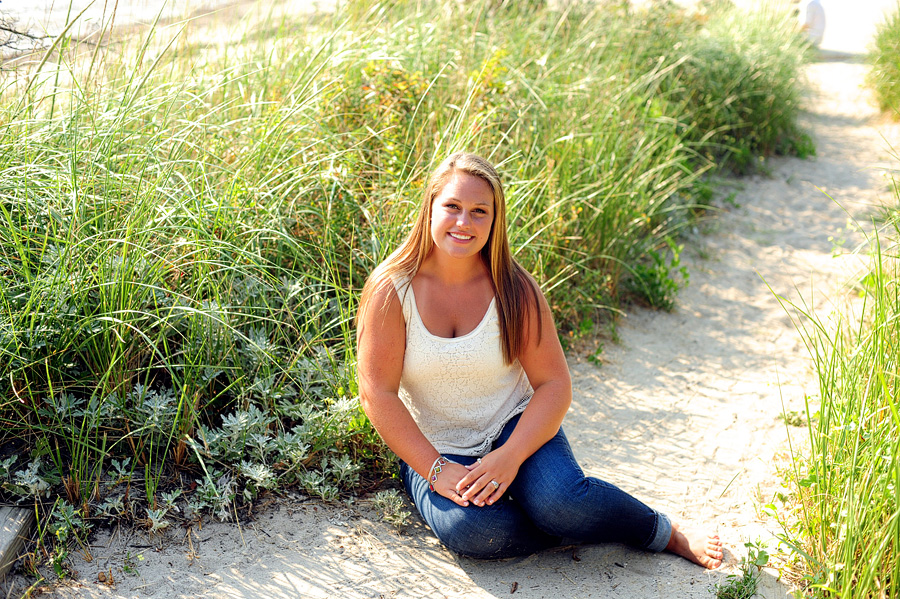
(462, 374)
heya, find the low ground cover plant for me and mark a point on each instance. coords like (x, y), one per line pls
(184, 226)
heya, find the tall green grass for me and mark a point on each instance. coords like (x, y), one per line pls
(843, 529)
(884, 56)
(843, 521)
(184, 226)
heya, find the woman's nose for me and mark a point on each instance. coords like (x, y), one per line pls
(463, 219)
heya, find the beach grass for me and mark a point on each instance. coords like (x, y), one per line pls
(842, 520)
(884, 56)
(185, 225)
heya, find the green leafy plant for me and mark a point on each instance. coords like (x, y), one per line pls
(130, 563)
(391, 507)
(657, 282)
(745, 584)
(793, 418)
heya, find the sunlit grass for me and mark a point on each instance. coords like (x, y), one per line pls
(884, 56)
(842, 523)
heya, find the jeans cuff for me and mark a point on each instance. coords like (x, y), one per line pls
(663, 533)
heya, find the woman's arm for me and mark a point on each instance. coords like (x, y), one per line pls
(381, 345)
(545, 365)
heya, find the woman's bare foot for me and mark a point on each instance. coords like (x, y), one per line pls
(698, 547)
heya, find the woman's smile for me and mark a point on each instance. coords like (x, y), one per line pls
(462, 215)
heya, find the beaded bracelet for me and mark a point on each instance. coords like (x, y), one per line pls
(435, 470)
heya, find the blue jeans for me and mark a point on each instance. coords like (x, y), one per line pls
(550, 502)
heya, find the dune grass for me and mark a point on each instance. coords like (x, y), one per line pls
(884, 56)
(185, 225)
(842, 521)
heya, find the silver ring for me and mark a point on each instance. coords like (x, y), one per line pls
(478, 460)
(496, 484)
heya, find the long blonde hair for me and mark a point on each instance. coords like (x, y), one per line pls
(515, 291)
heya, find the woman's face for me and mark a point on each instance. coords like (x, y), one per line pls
(462, 215)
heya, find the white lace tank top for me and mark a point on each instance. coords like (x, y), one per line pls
(459, 390)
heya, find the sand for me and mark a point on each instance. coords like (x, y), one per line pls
(683, 411)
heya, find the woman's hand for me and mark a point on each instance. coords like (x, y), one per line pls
(448, 481)
(488, 479)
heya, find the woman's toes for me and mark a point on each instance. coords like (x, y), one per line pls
(700, 548)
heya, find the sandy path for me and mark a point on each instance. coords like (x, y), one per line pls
(683, 413)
